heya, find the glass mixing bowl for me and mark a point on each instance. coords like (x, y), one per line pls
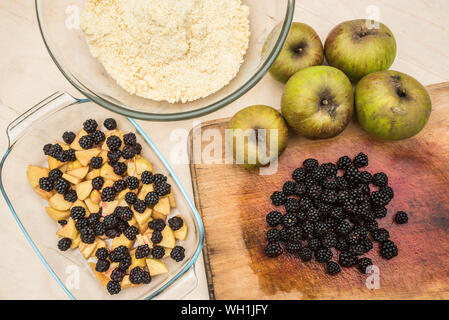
(59, 26)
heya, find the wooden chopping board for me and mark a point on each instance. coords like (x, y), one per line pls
(234, 202)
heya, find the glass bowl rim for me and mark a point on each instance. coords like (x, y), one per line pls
(249, 84)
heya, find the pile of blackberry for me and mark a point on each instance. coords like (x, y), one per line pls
(331, 213)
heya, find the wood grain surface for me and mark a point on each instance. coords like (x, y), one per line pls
(234, 202)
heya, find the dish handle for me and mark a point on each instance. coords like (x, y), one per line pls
(181, 287)
(44, 108)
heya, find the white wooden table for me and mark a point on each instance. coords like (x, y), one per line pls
(27, 75)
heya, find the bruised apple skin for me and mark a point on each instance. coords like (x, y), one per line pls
(392, 105)
(303, 48)
(318, 102)
(360, 47)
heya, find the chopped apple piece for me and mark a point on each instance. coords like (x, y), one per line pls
(108, 207)
(80, 203)
(136, 262)
(142, 218)
(108, 272)
(92, 206)
(143, 239)
(54, 163)
(100, 276)
(107, 172)
(95, 196)
(168, 238)
(167, 253)
(123, 193)
(57, 202)
(34, 173)
(163, 206)
(76, 242)
(156, 266)
(68, 231)
(84, 156)
(71, 179)
(63, 169)
(157, 215)
(74, 165)
(79, 172)
(44, 194)
(126, 283)
(56, 214)
(83, 189)
(122, 241)
(131, 165)
(76, 143)
(142, 165)
(87, 249)
(181, 233)
(144, 191)
(93, 174)
(104, 155)
(107, 183)
(107, 134)
(171, 199)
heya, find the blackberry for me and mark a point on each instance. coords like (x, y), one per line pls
(273, 249)
(323, 255)
(46, 184)
(96, 162)
(332, 268)
(305, 203)
(113, 287)
(98, 137)
(120, 168)
(342, 183)
(330, 183)
(299, 175)
(278, 198)
(117, 274)
(55, 150)
(129, 139)
(125, 263)
(62, 222)
(146, 277)
(102, 253)
(363, 264)
(122, 226)
(138, 148)
(86, 142)
(119, 185)
(142, 251)
(361, 160)
(388, 191)
(320, 229)
(47, 149)
(388, 250)
(291, 205)
(131, 232)
(87, 236)
(77, 212)
(314, 244)
(147, 177)
(81, 224)
(108, 194)
(300, 190)
(292, 247)
(346, 259)
(113, 143)
(352, 175)
(55, 174)
(371, 225)
(337, 213)
(401, 217)
(62, 185)
(381, 235)
(158, 252)
(159, 178)
(136, 275)
(318, 174)
(90, 125)
(379, 212)
(310, 164)
(99, 229)
(356, 249)
(380, 199)
(128, 152)
(313, 214)
(274, 218)
(118, 254)
(294, 234)
(162, 189)
(380, 179)
(156, 236)
(140, 206)
(97, 183)
(175, 223)
(177, 253)
(110, 124)
(151, 199)
(132, 182)
(314, 191)
(366, 177)
(289, 188)
(367, 244)
(329, 241)
(289, 220)
(112, 233)
(102, 265)
(110, 221)
(64, 244)
(69, 155)
(329, 196)
(130, 198)
(68, 137)
(126, 214)
(342, 244)
(344, 163)
(273, 235)
(114, 156)
(305, 254)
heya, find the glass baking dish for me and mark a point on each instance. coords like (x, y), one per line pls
(45, 123)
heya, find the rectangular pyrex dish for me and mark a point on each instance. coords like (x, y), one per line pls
(45, 123)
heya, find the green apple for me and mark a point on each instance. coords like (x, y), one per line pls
(392, 105)
(302, 49)
(253, 147)
(318, 102)
(360, 47)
